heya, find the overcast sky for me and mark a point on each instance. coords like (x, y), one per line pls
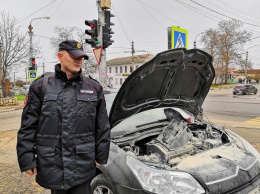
(143, 21)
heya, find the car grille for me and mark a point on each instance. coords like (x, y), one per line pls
(243, 183)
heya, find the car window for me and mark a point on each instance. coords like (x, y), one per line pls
(239, 87)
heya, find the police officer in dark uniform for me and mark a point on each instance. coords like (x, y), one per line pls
(65, 135)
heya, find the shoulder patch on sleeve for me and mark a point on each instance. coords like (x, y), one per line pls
(26, 100)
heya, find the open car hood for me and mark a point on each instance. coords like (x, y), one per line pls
(173, 78)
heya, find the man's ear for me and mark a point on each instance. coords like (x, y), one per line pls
(59, 55)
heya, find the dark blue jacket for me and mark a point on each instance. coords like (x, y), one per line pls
(66, 132)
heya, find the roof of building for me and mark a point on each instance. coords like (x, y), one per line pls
(250, 71)
(128, 60)
(233, 70)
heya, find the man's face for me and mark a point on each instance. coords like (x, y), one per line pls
(69, 65)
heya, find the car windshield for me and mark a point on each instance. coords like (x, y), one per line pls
(137, 119)
(140, 119)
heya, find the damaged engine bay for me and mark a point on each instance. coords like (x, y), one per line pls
(170, 140)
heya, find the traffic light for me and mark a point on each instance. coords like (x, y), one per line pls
(33, 64)
(107, 31)
(92, 32)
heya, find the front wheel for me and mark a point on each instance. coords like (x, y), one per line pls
(255, 92)
(101, 185)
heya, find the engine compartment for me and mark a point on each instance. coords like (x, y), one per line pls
(180, 138)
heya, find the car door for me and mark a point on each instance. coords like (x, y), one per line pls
(252, 89)
(249, 89)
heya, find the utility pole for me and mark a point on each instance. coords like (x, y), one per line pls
(25, 75)
(246, 67)
(133, 52)
(247, 63)
(14, 79)
(30, 34)
(43, 70)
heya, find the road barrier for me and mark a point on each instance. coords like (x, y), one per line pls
(8, 101)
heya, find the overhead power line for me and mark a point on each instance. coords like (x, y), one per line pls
(239, 10)
(223, 14)
(121, 24)
(36, 11)
(150, 15)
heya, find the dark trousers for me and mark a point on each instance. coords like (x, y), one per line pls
(83, 188)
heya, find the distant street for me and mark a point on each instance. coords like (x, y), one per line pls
(222, 107)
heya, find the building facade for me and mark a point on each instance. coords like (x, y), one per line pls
(120, 68)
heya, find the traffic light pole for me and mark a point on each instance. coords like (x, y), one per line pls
(102, 66)
(30, 49)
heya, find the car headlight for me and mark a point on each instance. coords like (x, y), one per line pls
(163, 181)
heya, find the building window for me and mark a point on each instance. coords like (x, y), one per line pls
(121, 69)
(131, 69)
(125, 69)
(121, 81)
(110, 70)
(116, 70)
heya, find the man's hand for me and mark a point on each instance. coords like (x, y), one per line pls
(31, 171)
(97, 164)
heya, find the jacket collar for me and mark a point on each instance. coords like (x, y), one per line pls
(62, 75)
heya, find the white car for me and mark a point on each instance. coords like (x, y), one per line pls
(160, 146)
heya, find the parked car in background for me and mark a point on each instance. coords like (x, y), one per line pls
(24, 90)
(244, 89)
(158, 143)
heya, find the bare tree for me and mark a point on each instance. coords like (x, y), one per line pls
(65, 33)
(226, 43)
(210, 40)
(15, 46)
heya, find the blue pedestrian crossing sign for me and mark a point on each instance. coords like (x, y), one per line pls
(32, 75)
(177, 37)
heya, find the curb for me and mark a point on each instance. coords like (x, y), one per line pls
(11, 109)
(234, 125)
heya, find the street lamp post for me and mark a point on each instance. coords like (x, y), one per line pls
(247, 63)
(195, 39)
(31, 33)
(14, 79)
